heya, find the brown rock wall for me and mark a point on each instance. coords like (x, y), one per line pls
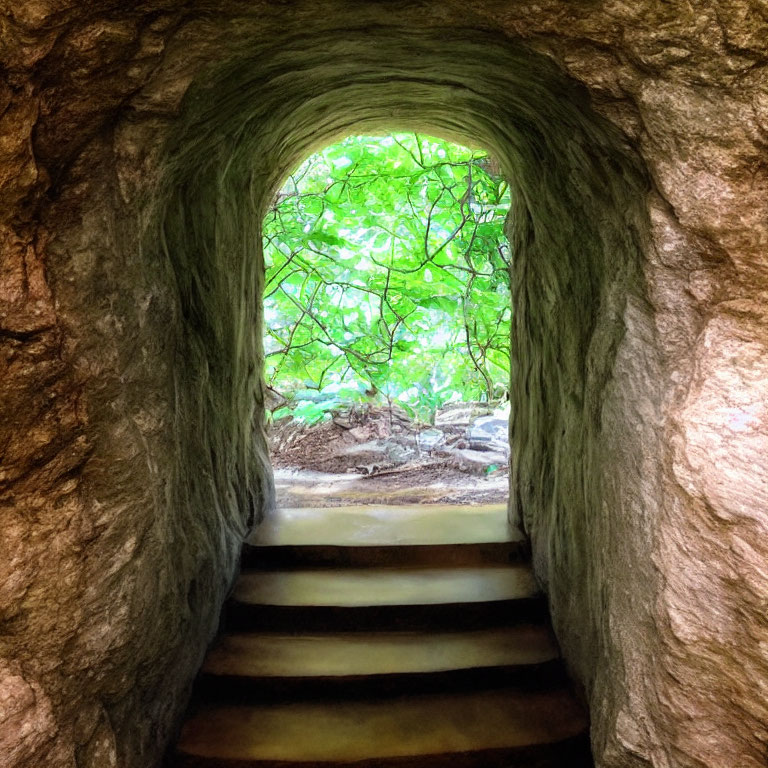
(640, 449)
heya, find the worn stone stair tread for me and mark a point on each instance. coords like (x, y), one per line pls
(339, 733)
(270, 655)
(386, 525)
(385, 586)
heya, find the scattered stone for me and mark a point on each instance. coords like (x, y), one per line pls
(429, 439)
(489, 433)
(359, 433)
(460, 414)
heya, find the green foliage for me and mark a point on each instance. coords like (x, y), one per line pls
(388, 272)
(310, 406)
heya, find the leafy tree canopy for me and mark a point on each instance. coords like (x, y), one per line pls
(387, 275)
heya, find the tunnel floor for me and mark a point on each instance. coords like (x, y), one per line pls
(403, 636)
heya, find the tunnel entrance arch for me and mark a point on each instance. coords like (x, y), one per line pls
(576, 226)
(265, 141)
(386, 302)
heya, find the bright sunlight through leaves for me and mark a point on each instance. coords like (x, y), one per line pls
(387, 277)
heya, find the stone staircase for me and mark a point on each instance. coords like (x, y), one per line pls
(384, 637)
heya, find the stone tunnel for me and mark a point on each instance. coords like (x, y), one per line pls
(140, 146)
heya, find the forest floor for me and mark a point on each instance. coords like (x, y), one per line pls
(374, 455)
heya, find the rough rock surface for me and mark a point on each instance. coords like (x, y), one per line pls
(139, 143)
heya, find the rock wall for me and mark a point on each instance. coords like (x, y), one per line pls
(138, 148)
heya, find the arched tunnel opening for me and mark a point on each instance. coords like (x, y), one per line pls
(576, 227)
(233, 154)
(387, 325)
(143, 147)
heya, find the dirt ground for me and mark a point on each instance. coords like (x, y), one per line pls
(370, 455)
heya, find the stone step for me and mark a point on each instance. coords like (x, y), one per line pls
(385, 536)
(360, 526)
(407, 555)
(273, 665)
(385, 598)
(489, 729)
